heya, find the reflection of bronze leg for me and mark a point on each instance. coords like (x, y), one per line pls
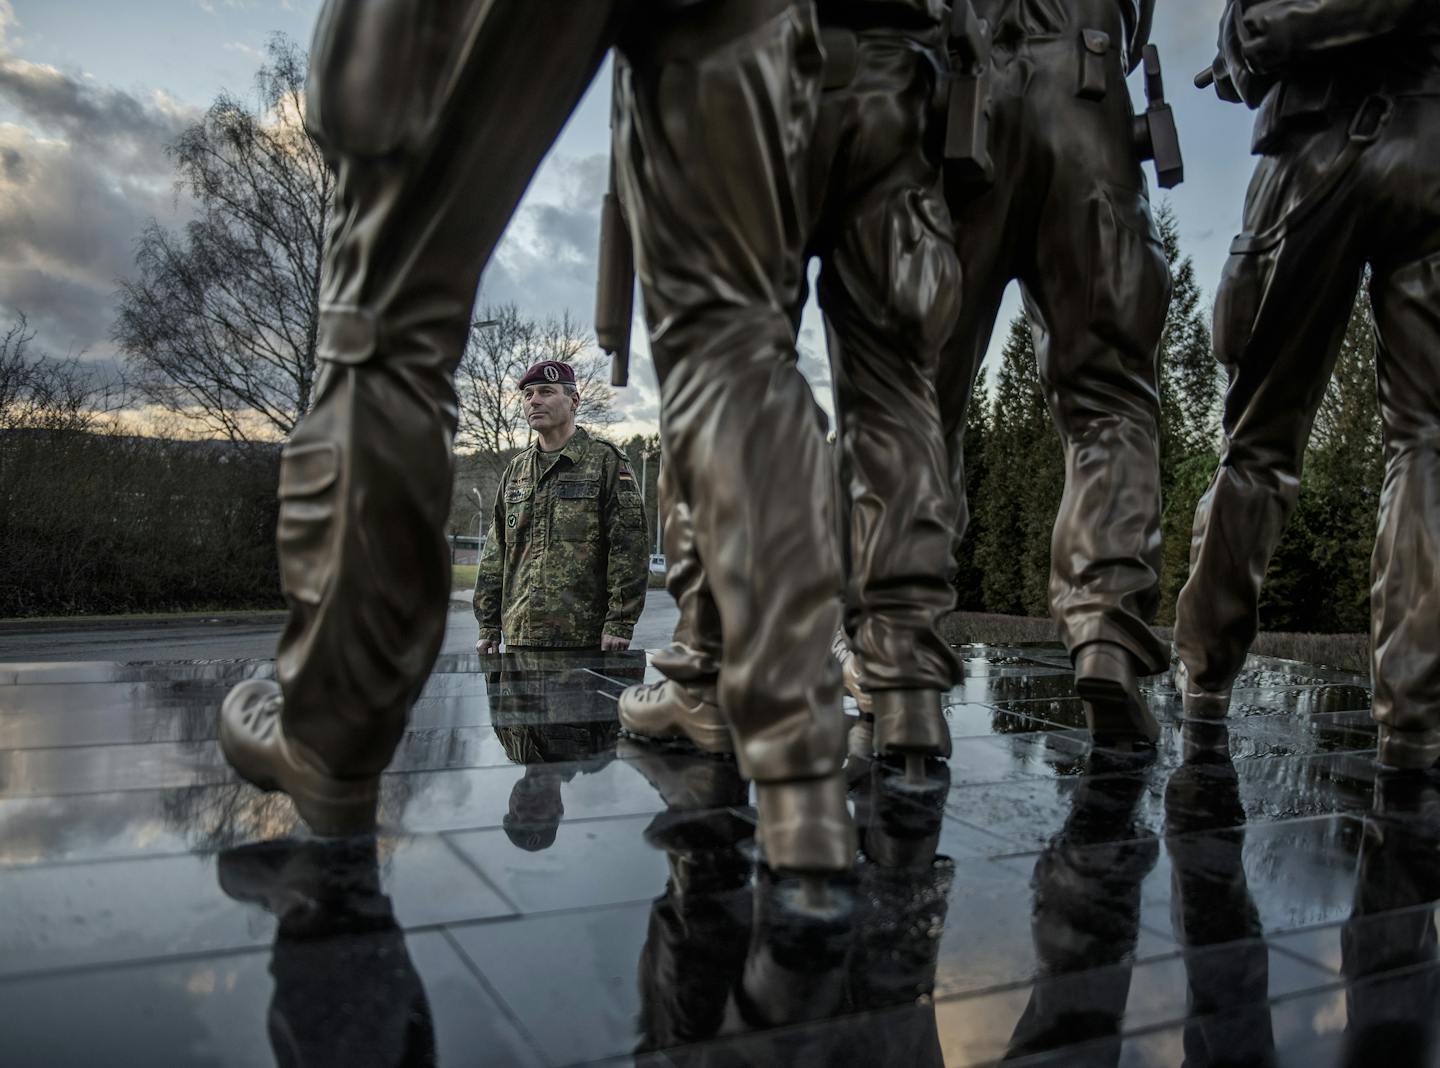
(346, 991)
(887, 289)
(1226, 960)
(1087, 915)
(365, 479)
(695, 949)
(1391, 1020)
(1279, 318)
(1405, 599)
(708, 139)
(904, 898)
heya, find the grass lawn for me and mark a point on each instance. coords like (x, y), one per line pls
(462, 576)
(1347, 652)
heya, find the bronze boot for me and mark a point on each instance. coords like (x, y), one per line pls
(672, 711)
(805, 826)
(850, 672)
(1116, 713)
(1201, 704)
(252, 737)
(910, 723)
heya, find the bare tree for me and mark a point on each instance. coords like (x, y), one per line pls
(38, 392)
(504, 342)
(222, 322)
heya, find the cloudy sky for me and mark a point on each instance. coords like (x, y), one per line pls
(91, 91)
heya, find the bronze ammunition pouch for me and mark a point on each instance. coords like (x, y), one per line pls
(1156, 135)
(967, 121)
(1094, 65)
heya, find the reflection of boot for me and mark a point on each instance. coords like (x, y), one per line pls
(1214, 918)
(1115, 711)
(346, 991)
(795, 970)
(1087, 913)
(252, 737)
(904, 897)
(695, 949)
(900, 816)
(687, 783)
(1389, 945)
(670, 710)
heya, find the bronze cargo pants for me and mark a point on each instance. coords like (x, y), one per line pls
(879, 225)
(1068, 215)
(1366, 190)
(434, 117)
(714, 114)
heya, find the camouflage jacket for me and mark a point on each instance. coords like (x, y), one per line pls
(566, 559)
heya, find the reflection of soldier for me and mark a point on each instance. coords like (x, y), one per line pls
(1226, 959)
(867, 202)
(1349, 176)
(346, 991)
(1388, 946)
(434, 117)
(551, 718)
(1068, 215)
(1087, 915)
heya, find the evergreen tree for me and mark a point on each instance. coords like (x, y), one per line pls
(1190, 379)
(1016, 506)
(1190, 390)
(1319, 579)
(969, 575)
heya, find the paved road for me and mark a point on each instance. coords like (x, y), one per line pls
(244, 638)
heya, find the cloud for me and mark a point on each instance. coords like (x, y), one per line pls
(248, 51)
(546, 261)
(81, 173)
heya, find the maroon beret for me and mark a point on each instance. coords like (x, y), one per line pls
(552, 371)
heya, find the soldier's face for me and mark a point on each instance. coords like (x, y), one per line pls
(549, 407)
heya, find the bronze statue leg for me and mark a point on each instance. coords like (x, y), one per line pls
(1405, 593)
(694, 653)
(711, 131)
(1097, 290)
(889, 288)
(1280, 314)
(365, 480)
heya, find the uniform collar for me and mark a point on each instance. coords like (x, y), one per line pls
(573, 450)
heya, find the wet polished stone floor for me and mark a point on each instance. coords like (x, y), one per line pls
(548, 892)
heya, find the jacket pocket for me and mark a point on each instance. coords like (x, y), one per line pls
(1129, 275)
(575, 514)
(309, 499)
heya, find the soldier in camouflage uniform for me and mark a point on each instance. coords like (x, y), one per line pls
(566, 562)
